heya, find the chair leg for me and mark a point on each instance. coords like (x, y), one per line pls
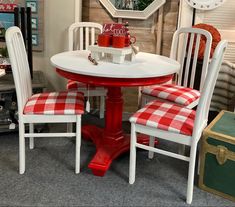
(78, 145)
(151, 144)
(132, 155)
(102, 102)
(199, 160)
(191, 171)
(139, 97)
(21, 147)
(31, 139)
(181, 150)
(142, 101)
(199, 163)
(69, 127)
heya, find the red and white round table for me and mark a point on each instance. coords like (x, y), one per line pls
(146, 69)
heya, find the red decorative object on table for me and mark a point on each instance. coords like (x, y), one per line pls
(116, 31)
(118, 41)
(104, 40)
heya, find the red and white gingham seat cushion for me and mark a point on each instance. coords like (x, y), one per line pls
(174, 93)
(166, 116)
(59, 103)
(75, 85)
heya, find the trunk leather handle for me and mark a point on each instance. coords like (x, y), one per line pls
(222, 154)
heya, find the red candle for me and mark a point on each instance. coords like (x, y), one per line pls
(104, 40)
(118, 41)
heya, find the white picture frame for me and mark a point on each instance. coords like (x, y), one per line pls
(33, 5)
(34, 23)
(35, 39)
(132, 14)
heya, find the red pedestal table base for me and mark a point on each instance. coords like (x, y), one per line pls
(107, 149)
(111, 141)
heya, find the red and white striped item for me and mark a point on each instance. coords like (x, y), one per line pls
(58, 103)
(75, 85)
(166, 116)
(174, 93)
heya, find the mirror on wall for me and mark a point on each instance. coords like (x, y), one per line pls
(132, 9)
(138, 5)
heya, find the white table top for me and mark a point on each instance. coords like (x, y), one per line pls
(145, 65)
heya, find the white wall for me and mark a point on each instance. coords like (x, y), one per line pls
(58, 15)
(185, 15)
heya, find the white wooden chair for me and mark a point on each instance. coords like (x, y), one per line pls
(175, 123)
(185, 48)
(81, 35)
(55, 107)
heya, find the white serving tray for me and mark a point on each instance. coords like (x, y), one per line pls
(118, 55)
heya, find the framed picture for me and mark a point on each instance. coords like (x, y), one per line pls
(34, 22)
(6, 19)
(8, 6)
(35, 39)
(33, 5)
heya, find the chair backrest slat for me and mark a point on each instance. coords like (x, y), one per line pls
(85, 37)
(92, 36)
(185, 49)
(180, 57)
(188, 61)
(195, 57)
(204, 66)
(20, 66)
(81, 40)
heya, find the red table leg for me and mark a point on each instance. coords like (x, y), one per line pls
(110, 142)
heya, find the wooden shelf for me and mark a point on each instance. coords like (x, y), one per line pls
(7, 88)
(7, 82)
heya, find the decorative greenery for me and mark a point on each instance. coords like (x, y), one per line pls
(142, 4)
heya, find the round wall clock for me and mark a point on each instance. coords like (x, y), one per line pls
(205, 4)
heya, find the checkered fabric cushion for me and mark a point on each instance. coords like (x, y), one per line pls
(174, 93)
(75, 85)
(166, 116)
(58, 103)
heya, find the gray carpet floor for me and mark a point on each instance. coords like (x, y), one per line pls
(50, 180)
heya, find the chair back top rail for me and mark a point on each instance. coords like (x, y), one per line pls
(82, 34)
(187, 41)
